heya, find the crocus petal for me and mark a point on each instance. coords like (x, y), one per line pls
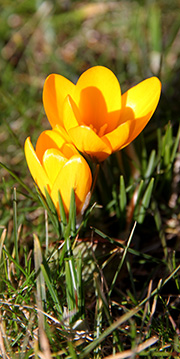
(53, 161)
(97, 119)
(56, 88)
(141, 100)
(83, 137)
(54, 139)
(138, 106)
(75, 174)
(97, 93)
(86, 140)
(61, 130)
(126, 133)
(48, 139)
(35, 167)
(71, 115)
(66, 147)
(119, 137)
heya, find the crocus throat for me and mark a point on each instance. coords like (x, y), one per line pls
(101, 131)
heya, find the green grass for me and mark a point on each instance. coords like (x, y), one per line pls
(112, 286)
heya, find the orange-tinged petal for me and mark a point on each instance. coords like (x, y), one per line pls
(69, 150)
(53, 161)
(54, 139)
(71, 115)
(138, 106)
(126, 133)
(136, 127)
(48, 139)
(56, 88)
(119, 137)
(35, 167)
(96, 118)
(141, 100)
(97, 94)
(75, 174)
(66, 146)
(86, 140)
(61, 130)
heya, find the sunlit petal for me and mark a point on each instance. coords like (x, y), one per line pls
(119, 137)
(35, 167)
(97, 119)
(138, 106)
(69, 150)
(86, 140)
(97, 94)
(55, 90)
(126, 133)
(141, 100)
(53, 161)
(61, 130)
(71, 115)
(48, 139)
(54, 139)
(75, 174)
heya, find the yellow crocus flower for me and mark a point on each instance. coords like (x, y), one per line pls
(57, 166)
(97, 118)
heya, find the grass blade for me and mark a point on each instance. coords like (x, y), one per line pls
(145, 202)
(52, 291)
(122, 260)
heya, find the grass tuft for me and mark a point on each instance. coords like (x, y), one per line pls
(109, 286)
